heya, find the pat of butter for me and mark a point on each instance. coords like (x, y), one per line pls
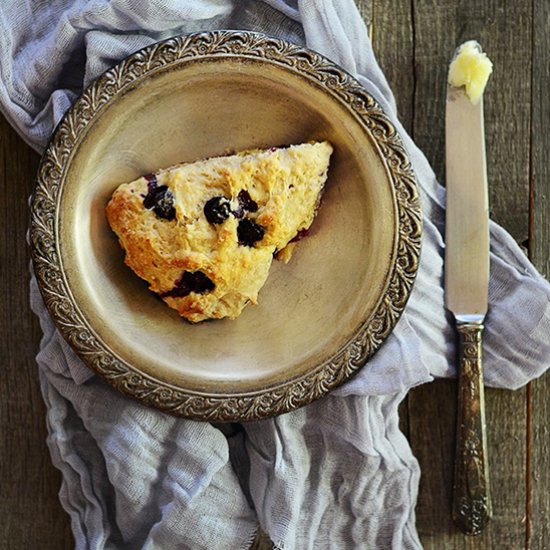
(470, 68)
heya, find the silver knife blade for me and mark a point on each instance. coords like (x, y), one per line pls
(466, 293)
(467, 218)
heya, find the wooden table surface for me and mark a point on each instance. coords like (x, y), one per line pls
(413, 40)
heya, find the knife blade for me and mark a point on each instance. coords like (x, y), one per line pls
(466, 296)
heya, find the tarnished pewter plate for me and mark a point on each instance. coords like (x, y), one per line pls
(319, 318)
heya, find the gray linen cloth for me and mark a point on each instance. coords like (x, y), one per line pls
(335, 474)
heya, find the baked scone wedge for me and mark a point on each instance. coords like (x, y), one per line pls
(204, 234)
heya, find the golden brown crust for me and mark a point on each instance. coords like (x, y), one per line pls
(285, 184)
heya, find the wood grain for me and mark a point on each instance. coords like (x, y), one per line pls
(365, 9)
(393, 44)
(435, 29)
(540, 254)
(540, 228)
(31, 514)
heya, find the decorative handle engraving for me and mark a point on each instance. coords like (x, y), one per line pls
(472, 507)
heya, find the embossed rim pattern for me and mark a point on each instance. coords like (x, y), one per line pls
(45, 231)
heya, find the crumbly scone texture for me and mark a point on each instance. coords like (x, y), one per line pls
(212, 269)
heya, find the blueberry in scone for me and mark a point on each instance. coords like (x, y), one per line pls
(204, 234)
(217, 209)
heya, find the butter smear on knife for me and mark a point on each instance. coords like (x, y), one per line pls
(470, 68)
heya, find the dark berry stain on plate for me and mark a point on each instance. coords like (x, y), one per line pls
(190, 281)
(159, 199)
(300, 235)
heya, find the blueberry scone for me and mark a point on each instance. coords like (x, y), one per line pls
(204, 234)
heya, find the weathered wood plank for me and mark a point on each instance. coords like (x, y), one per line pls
(501, 27)
(393, 44)
(365, 9)
(31, 514)
(540, 235)
(437, 28)
(540, 254)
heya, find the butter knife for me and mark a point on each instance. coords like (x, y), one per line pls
(466, 296)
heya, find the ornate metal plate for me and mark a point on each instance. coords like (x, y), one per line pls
(320, 317)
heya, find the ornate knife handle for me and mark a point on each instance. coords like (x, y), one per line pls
(472, 508)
